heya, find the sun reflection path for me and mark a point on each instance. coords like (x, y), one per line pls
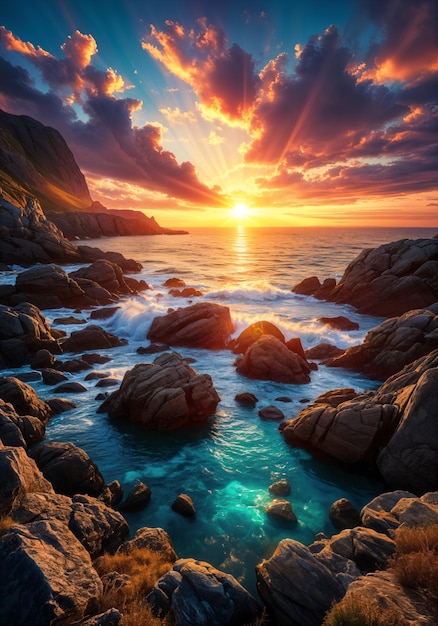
(240, 248)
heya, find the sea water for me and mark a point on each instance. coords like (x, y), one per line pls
(227, 466)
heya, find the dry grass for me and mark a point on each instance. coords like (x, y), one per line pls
(358, 611)
(415, 564)
(144, 567)
(5, 523)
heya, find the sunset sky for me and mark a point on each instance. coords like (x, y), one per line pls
(297, 112)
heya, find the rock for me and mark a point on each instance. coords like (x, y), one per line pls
(187, 292)
(68, 468)
(106, 274)
(271, 414)
(111, 617)
(20, 475)
(73, 365)
(251, 334)
(60, 405)
(269, 359)
(70, 387)
(296, 346)
(137, 498)
(23, 398)
(281, 510)
(280, 487)
(323, 351)
(23, 331)
(284, 399)
(377, 513)
(98, 527)
(92, 359)
(46, 558)
(197, 593)
(49, 286)
(343, 514)
(164, 395)
(370, 550)
(154, 348)
(42, 359)
(410, 460)
(385, 281)
(69, 319)
(246, 398)
(52, 377)
(393, 344)
(183, 504)
(112, 493)
(19, 430)
(103, 314)
(299, 587)
(202, 325)
(174, 282)
(92, 337)
(108, 382)
(340, 322)
(155, 539)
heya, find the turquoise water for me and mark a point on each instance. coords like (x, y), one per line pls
(227, 466)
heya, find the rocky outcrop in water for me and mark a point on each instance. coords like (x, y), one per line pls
(202, 325)
(269, 358)
(384, 281)
(393, 428)
(391, 345)
(164, 395)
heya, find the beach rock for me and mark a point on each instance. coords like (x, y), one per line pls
(246, 398)
(112, 493)
(370, 550)
(68, 468)
(73, 365)
(42, 359)
(106, 274)
(280, 487)
(60, 405)
(164, 395)
(202, 325)
(187, 292)
(137, 498)
(104, 314)
(174, 282)
(269, 359)
(198, 593)
(251, 334)
(340, 322)
(154, 348)
(20, 475)
(92, 337)
(23, 331)
(334, 397)
(299, 587)
(94, 358)
(23, 398)
(19, 430)
(392, 344)
(352, 432)
(183, 504)
(386, 281)
(343, 514)
(47, 559)
(410, 460)
(271, 414)
(155, 539)
(377, 513)
(323, 351)
(281, 510)
(52, 376)
(111, 617)
(49, 286)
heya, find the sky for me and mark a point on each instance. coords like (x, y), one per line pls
(216, 113)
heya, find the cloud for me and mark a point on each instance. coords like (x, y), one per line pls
(223, 77)
(176, 116)
(106, 143)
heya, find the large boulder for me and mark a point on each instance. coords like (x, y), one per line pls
(202, 325)
(269, 358)
(19, 430)
(23, 331)
(198, 593)
(299, 587)
(68, 468)
(251, 334)
(19, 475)
(164, 395)
(106, 274)
(24, 398)
(92, 337)
(49, 286)
(156, 540)
(392, 344)
(387, 511)
(385, 281)
(393, 427)
(47, 575)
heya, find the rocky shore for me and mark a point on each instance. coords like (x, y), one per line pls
(58, 517)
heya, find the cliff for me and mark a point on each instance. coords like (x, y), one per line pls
(38, 168)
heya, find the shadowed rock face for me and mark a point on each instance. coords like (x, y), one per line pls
(385, 281)
(202, 325)
(164, 395)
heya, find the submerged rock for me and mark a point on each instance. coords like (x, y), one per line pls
(164, 395)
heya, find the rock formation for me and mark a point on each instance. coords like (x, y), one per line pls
(164, 395)
(202, 325)
(269, 358)
(384, 281)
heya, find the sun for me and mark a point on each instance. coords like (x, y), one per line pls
(240, 211)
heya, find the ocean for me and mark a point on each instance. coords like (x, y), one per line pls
(227, 466)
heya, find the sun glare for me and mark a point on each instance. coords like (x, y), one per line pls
(240, 211)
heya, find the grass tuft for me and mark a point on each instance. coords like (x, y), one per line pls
(358, 611)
